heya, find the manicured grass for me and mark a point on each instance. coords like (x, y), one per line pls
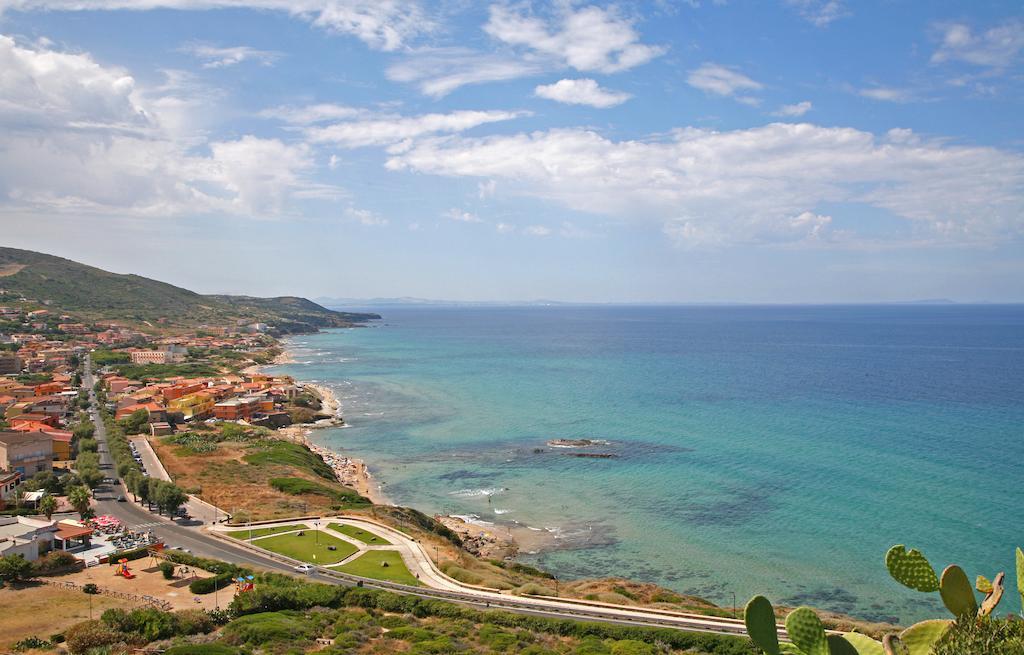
(305, 547)
(261, 532)
(358, 533)
(368, 565)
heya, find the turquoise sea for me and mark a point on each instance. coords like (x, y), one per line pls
(776, 450)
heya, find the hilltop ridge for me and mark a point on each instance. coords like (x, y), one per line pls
(91, 293)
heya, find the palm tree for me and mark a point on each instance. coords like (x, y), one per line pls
(79, 498)
(48, 505)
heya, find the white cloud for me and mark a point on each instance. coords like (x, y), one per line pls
(381, 24)
(390, 129)
(537, 231)
(581, 92)
(722, 81)
(311, 114)
(365, 217)
(795, 110)
(439, 71)
(586, 38)
(79, 136)
(819, 12)
(215, 57)
(462, 216)
(997, 47)
(887, 94)
(505, 228)
(485, 190)
(748, 185)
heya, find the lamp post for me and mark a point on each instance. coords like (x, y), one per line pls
(316, 531)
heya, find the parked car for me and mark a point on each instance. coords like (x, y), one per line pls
(304, 568)
(121, 499)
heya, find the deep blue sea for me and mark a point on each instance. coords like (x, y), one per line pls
(776, 450)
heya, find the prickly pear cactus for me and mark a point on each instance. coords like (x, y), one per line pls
(806, 631)
(956, 591)
(911, 569)
(983, 584)
(759, 616)
(864, 644)
(837, 645)
(919, 638)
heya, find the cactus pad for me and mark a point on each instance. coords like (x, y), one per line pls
(983, 584)
(1020, 575)
(837, 645)
(760, 620)
(919, 638)
(805, 629)
(911, 569)
(864, 644)
(956, 591)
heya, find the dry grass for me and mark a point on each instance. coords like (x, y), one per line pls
(244, 489)
(43, 610)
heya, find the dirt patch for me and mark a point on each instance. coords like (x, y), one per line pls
(7, 270)
(224, 479)
(43, 610)
(148, 583)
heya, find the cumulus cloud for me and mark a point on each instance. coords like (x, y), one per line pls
(381, 24)
(997, 47)
(586, 38)
(761, 184)
(365, 217)
(795, 110)
(80, 136)
(581, 92)
(821, 13)
(391, 129)
(537, 231)
(216, 57)
(723, 81)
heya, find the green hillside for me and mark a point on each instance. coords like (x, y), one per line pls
(91, 293)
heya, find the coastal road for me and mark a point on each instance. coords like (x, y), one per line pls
(190, 535)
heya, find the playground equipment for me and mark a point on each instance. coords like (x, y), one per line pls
(123, 570)
(244, 583)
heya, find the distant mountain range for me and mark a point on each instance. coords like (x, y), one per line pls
(91, 293)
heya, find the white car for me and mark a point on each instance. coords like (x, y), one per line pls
(304, 568)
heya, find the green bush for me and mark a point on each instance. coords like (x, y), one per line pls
(167, 569)
(54, 561)
(268, 627)
(202, 649)
(300, 486)
(982, 635)
(210, 585)
(194, 622)
(289, 454)
(29, 643)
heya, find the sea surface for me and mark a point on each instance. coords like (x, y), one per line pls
(775, 450)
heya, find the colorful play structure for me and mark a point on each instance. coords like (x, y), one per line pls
(244, 583)
(123, 570)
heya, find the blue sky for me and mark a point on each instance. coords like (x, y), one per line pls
(789, 151)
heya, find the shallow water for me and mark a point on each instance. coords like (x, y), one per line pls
(776, 450)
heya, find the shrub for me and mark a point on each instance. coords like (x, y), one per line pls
(258, 629)
(983, 635)
(299, 486)
(202, 649)
(194, 622)
(632, 647)
(84, 636)
(29, 643)
(14, 568)
(167, 569)
(210, 585)
(55, 561)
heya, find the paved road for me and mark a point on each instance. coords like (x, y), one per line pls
(190, 535)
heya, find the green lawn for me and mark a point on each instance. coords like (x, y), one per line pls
(368, 565)
(304, 548)
(260, 532)
(358, 533)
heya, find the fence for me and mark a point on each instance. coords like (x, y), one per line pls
(113, 593)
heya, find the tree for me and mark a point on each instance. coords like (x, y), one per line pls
(132, 479)
(145, 490)
(169, 497)
(48, 505)
(133, 423)
(79, 498)
(14, 568)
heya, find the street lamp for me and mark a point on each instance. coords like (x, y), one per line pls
(316, 531)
